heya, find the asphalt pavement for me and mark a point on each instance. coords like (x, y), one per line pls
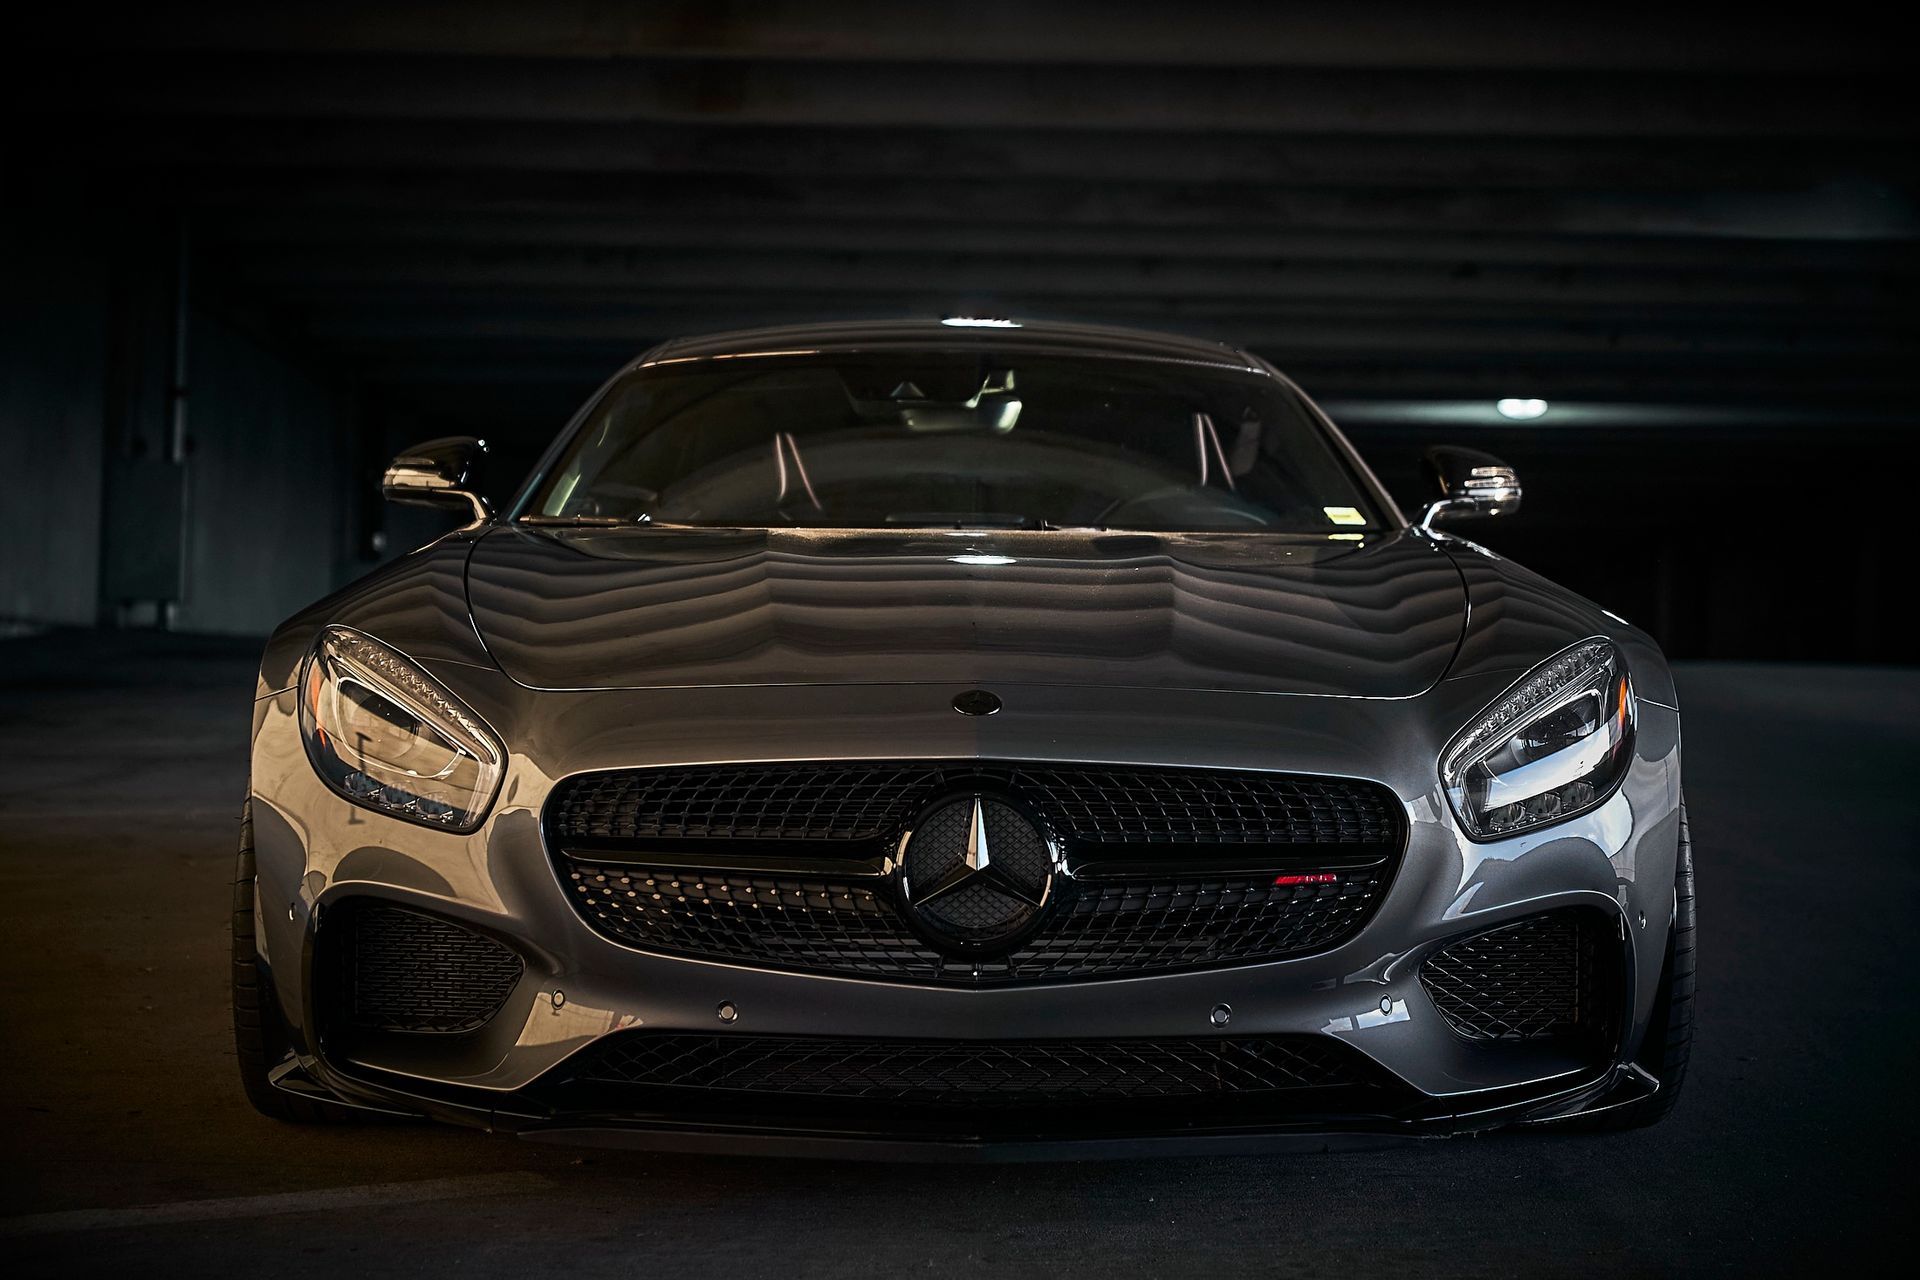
(128, 1147)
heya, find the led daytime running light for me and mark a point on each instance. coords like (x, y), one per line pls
(387, 736)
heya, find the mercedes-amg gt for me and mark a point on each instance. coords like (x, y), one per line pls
(961, 738)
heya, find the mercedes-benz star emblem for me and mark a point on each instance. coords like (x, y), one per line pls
(975, 873)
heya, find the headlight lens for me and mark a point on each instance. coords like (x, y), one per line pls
(1553, 747)
(386, 735)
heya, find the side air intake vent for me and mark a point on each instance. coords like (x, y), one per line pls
(397, 969)
(1535, 979)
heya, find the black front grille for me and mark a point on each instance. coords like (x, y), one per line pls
(1191, 806)
(968, 1072)
(852, 927)
(1537, 979)
(396, 969)
(874, 801)
(782, 865)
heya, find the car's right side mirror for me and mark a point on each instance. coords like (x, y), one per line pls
(439, 473)
(1472, 484)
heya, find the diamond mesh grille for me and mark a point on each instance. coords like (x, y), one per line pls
(1533, 980)
(852, 802)
(967, 1071)
(402, 970)
(850, 927)
(1174, 806)
(603, 828)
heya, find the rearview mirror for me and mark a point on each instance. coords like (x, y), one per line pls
(1472, 484)
(439, 473)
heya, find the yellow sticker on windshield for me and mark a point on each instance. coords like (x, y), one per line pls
(1344, 515)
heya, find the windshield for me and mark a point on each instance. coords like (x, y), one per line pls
(953, 440)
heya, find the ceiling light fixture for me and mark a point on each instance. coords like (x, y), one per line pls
(1520, 410)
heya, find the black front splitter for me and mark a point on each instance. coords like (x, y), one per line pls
(1441, 1118)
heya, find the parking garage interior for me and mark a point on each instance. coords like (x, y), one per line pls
(248, 253)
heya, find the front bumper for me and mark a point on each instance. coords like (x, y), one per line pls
(314, 850)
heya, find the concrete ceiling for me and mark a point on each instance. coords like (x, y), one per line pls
(1396, 202)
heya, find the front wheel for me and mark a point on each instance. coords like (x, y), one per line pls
(259, 1036)
(1669, 1041)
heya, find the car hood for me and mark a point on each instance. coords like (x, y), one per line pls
(1379, 617)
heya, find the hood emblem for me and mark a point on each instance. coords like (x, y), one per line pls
(976, 702)
(976, 873)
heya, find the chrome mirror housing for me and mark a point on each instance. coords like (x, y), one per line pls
(1472, 484)
(439, 473)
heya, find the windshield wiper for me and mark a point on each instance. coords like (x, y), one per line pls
(960, 520)
(594, 521)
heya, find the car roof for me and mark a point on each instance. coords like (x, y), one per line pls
(884, 334)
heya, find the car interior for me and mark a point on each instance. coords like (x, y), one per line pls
(952, 443)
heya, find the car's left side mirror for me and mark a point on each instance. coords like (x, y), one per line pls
(1472, 483)
(439, 473)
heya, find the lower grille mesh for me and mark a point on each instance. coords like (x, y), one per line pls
(1532, 980)
(404, 970)
(965, 1071)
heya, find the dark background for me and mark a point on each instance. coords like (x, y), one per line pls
(250, 250)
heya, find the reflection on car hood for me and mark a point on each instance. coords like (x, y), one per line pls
(577, 608)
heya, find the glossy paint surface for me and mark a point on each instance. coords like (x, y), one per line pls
(647, 608)
(596, 649)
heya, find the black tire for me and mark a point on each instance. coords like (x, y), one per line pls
(1669, 1041)
(259, 1037)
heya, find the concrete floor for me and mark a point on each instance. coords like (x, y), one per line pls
(128, 1145)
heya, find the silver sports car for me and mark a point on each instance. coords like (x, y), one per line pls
(961, 739)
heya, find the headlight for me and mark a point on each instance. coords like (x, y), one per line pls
(1553, 747)
(384, 734)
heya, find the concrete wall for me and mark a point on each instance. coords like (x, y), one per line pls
(266, 484)
(95, 523)
(53, 351)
